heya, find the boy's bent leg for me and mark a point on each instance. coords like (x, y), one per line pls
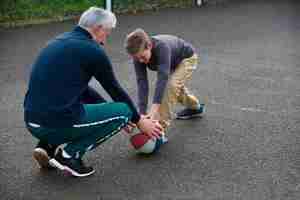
(188, 100)
(176, 91)
(101, 122)
(182, 76)
(179, 79)
(165, 111)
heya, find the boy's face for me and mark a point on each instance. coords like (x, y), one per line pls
(143, 56)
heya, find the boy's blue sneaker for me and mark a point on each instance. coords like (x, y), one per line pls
(164, 139)
(191, 113)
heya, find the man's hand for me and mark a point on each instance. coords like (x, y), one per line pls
(150, 127)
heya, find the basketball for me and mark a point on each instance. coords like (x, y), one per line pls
(143, 144)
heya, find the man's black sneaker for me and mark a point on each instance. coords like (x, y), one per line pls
(72, 166)
(191, 113)
(43, 153)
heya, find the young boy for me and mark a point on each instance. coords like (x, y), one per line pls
(174, 60)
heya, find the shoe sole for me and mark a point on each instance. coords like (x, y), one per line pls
(190, 117)
(41, 157)
(67, 170)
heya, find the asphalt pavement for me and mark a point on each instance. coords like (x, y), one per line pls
(247, 145)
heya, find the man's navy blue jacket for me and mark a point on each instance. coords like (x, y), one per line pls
(60, 75)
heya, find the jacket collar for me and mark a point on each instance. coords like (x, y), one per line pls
(83, 31)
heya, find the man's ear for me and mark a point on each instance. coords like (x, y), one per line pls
(149, 45)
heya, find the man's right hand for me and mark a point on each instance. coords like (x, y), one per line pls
(150, 127)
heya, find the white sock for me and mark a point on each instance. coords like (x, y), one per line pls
(65, 154)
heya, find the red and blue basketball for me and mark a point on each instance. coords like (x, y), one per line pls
(143, 144)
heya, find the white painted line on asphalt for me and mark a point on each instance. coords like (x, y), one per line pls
(249, 109)
(237, 107)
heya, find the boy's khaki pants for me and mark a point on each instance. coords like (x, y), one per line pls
(176, 91)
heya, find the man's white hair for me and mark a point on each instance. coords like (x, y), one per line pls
(99, 17)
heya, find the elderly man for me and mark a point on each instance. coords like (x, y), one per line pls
(60, 107)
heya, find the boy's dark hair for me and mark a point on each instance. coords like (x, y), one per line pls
(137, 41)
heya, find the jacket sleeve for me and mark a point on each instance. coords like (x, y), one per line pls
(163, 71)
(104, 74)
(142, 86)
